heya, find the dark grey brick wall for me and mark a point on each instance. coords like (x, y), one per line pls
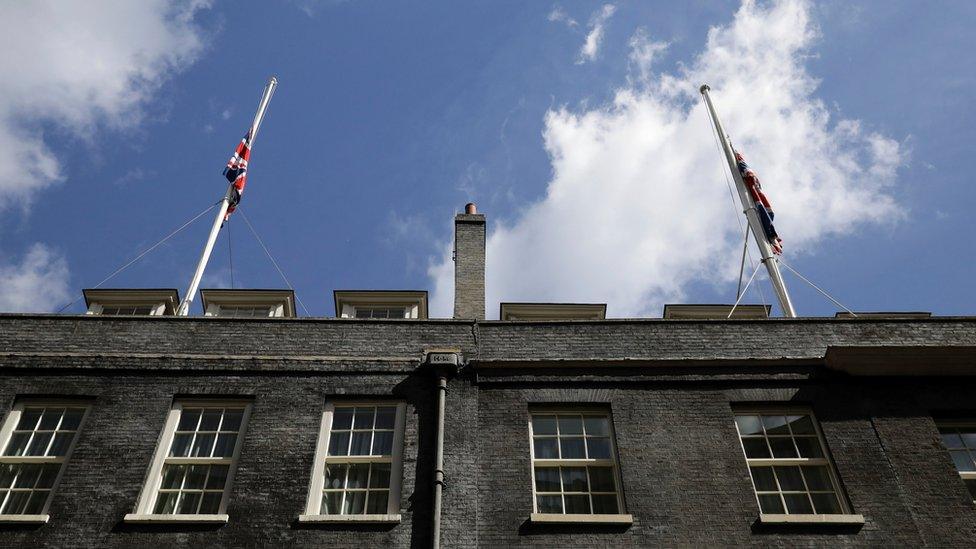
(670, 387)
(469, 266)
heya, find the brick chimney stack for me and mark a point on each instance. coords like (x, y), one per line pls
(469, 264)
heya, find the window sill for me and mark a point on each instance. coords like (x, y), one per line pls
(175, 519)
(358, 519)
(558, 518)
(811, 519)
(24, 519)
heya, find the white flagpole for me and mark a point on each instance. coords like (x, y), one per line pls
(184, 308)
(772, 264)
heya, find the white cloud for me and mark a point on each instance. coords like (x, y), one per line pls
(78, 65)
(38, 283)
(643, 53)
(559, 15)
(598, 21)
(637, 208)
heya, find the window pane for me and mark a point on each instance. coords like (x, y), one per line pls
(771, 504)
(969, 439)
(50, 419)
(364, 418)
(601, 479)
(801, 425)
(189, 419)
(225, 445)
(748, 425)
(211, 420)
(550, 504)
(38, 445)
(572, 448)
(7, 473)
(72, 419)
(378, 500)
(211, 503)
(789, 479)
(232, 420)
(331, 502)
(383, 443)
(577, 504)
(818, 479)
(354, 504)
(36, 503)
(189, 503)
(755, 447)
(165, 503)
(598, 448)
(570, 425)
(546, 448)
(543, 425)
(342, 419)
(547, 479)
(782, 447)
(17, 445)
(385, 417)
(181, 445)
(775, 425)
(358, 474)
(335, 476)
(173, 477)
(962, 460)
(596, 426)
(606, 505)
(28, 419)
(360, 443)
(61, 443)
(27, 477)
(195, 477)
(825, 504)
(16, 501)
(809, 447)
(763, 479)
(217, 478)
(380, 476)
(49, 473)
(203, 445)
(798, 504)
(339, 444)
(951, 439)
(574, 479)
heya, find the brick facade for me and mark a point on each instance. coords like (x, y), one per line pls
(670, 387)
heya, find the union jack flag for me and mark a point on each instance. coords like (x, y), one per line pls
(236, 172)
(761, 203)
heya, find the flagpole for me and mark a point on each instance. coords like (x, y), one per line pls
(184, 308)
(772, 264)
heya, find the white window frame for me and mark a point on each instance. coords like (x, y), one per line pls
(846, 515)
(313, 504)
(150, 490)
(275, 310)
(158, 309)
(409, 310)
(6, 431)
(957, 424)
(621, 516)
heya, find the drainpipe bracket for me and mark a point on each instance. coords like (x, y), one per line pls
(442, 362)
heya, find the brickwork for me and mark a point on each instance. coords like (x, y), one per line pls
(469, 266)
(671, 394)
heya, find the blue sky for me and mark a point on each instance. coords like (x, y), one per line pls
(391, 115)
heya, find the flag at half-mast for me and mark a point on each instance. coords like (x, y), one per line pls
(236, 172)
(761, 203)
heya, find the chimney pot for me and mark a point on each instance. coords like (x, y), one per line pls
(470, 208)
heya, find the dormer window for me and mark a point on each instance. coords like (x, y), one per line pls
(248, 303)
(380, 304)
(689, 311)
(553, 311)
(131, 302)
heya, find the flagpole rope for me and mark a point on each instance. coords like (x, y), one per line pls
(273, 262)
(824, 292)
(754, 271)
(141, 255)
(735, 213)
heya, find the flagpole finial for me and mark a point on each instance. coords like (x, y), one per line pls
(704, 88)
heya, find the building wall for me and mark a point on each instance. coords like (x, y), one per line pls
(684, 477)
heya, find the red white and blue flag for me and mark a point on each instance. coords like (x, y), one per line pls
(236, 172)
(761, 203)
